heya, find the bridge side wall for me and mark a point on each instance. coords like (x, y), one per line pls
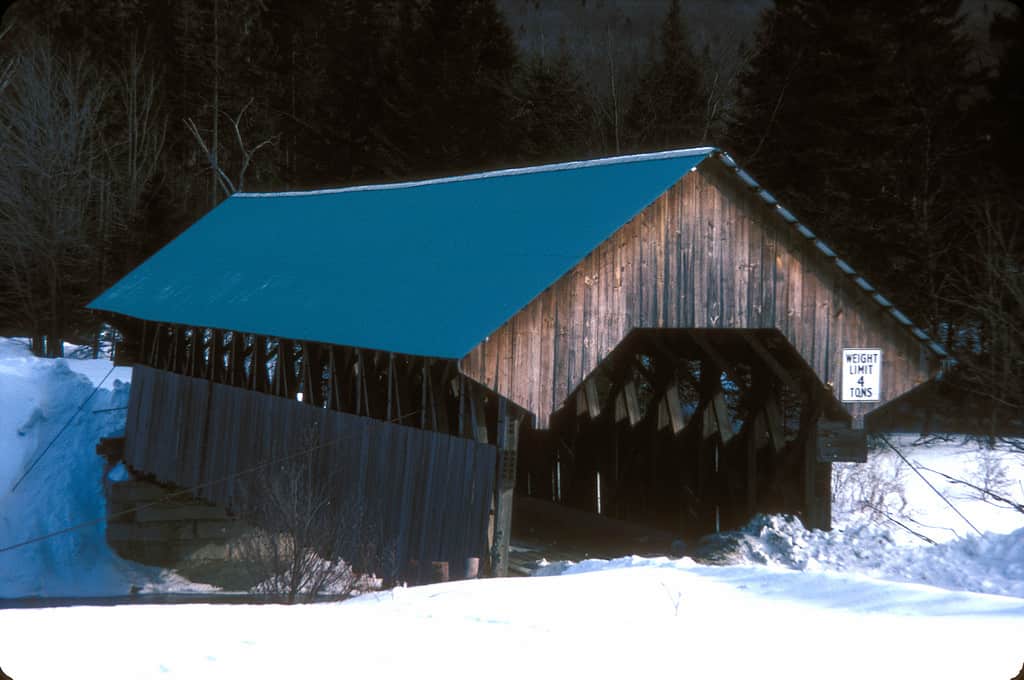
(416, 495)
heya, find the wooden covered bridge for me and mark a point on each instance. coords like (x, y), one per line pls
(650, 337)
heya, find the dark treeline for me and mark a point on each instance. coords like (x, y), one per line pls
(878, 123)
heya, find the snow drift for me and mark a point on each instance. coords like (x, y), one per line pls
(64, 489)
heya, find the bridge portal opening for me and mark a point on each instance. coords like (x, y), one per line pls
(676, 435)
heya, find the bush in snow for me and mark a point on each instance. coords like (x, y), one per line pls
(990, 473)
(875, 488)
(295, 553)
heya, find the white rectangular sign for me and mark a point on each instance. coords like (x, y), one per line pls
(862, 375)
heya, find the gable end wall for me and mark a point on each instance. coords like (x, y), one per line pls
(708, 253)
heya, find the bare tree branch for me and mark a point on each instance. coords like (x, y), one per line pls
(223, 180)
(54, 172)
(988, 494)
(228, 185)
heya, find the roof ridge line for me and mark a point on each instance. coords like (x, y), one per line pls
(526, 170)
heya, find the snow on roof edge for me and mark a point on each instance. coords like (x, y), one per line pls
(527, 170)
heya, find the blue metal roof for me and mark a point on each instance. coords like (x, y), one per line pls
(427, 268)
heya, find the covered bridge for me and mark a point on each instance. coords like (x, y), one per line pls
(649, 337)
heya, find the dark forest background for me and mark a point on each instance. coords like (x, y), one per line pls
(893, 129)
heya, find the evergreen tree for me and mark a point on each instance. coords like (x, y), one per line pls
(667, 109)
(1006, 90)
(852, 114)
(553, 114)
(457, 66)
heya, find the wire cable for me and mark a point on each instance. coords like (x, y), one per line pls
(66, 426)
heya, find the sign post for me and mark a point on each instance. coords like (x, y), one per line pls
(862, 375)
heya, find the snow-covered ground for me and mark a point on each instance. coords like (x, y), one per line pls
(870, 599)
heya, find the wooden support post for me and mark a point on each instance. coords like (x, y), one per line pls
(376, 383)
(593, 398)
(304, 377)
(508, 445)
(773, 421)
(392, 395)
(809, 449)
(462, 423)
(346, 383)
(753, 434)
(362, 389)
(439, 379)
(807, 441)
(674, 407)
(188, 336)
(197, 366)
(751, 443)
(274, 373)
(277, 381)
(154, 352)
(313, 374)
(403, 388)
(333, 397)
(142, 343)
(286, 367)
(215, 366)
(721, 415)
(180, 351)
(171, 353)
(425, 394)
(631, 402)
(258, 369)
(477, 414)
(236, 360)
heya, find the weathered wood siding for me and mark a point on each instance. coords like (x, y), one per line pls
(426, 496)
(709, 253)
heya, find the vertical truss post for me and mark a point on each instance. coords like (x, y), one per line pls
(508, 447)
(807, 448)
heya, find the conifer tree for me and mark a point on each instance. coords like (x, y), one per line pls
(853, 115)
(553, 114)
(667, 109)
(1006, 91)
(457, 66)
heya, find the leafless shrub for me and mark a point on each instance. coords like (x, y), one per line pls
(303, 545)
(990, 473)
(875, 488)
(286, 571)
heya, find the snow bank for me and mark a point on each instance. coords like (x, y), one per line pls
(992, 563)
(37, 399)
